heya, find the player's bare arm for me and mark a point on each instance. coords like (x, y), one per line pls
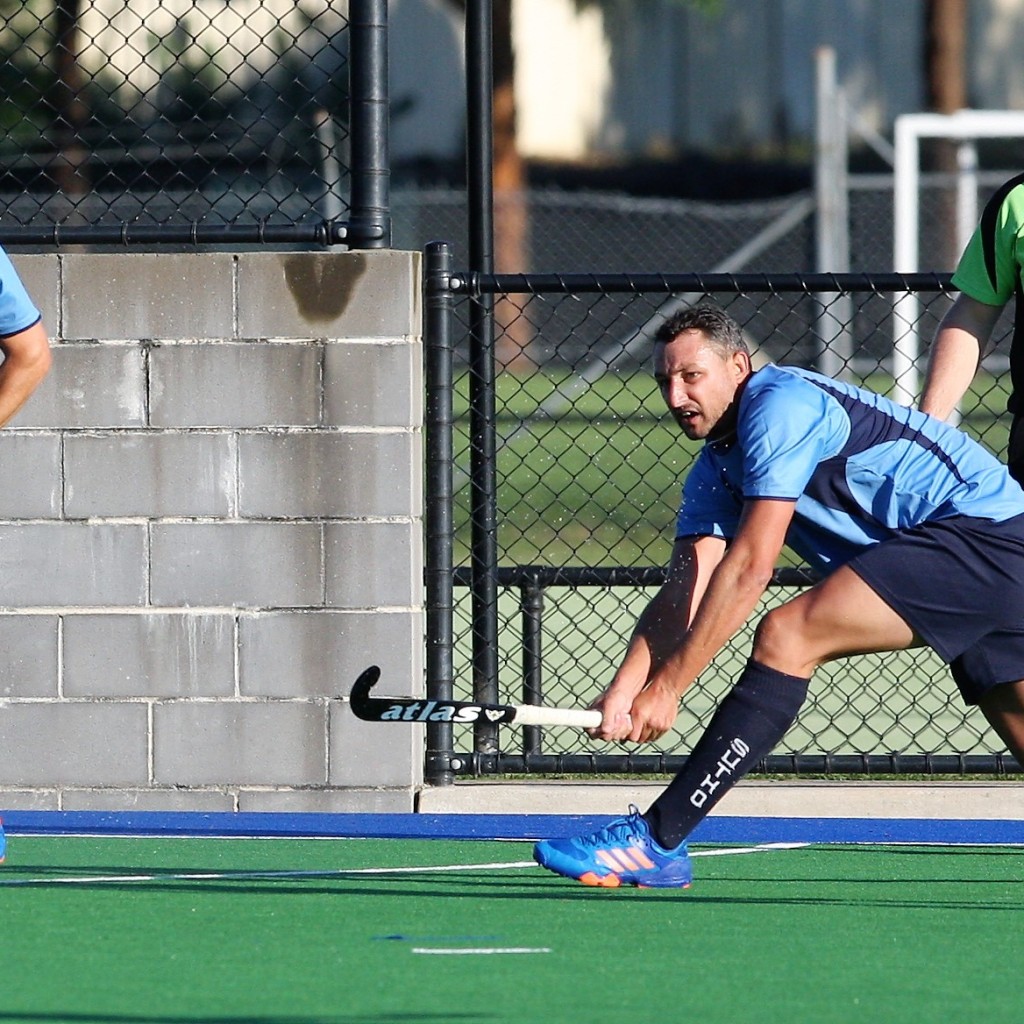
(959, 345)
(733, 591)
(26, 362)
(660, 629)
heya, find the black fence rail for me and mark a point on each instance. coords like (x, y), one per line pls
(553, 481)
(194, 122)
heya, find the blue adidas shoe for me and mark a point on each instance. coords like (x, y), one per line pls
(3, 843)
(622, 853)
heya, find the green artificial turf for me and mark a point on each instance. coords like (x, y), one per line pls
(822, 934)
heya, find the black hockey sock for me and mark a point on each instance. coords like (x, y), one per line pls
(752, 718)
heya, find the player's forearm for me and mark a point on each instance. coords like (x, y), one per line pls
(659, 631)
(956, 354)
(732, 595)
(954, 362)
(26, 362)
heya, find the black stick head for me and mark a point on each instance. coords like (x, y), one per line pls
(359, 698)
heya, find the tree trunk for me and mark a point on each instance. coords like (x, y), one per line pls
(69, 172)
(510, 212)
(945, 45)
(946, 92)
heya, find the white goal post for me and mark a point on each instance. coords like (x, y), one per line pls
(964, 127)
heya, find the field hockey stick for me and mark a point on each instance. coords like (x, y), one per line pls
(413, 709)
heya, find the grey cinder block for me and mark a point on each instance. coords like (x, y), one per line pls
(202, 801)
(329, 475)
(74, 744)
(149, 655)
(28, 656)
(89, 386)
(152, 475)
(236, 564)
(370, 294)
(67, 564)
(38, 799)
(30, 470)
(374, 564)
(244, 384)
(373, 753)
(320, 653)
(373, 384)
(148, 295)
(329, 801)
(239, 743)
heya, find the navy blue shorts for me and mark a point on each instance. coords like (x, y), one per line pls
(959, 584)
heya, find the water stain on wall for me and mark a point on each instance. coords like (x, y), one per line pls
(322, 284)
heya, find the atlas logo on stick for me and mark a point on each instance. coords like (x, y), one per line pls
(432, 711)
(416, 709)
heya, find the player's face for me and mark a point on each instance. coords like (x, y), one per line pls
(699, 384)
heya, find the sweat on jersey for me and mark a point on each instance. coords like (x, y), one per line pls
(859, 466)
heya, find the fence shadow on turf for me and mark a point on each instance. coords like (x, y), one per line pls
(520, 888)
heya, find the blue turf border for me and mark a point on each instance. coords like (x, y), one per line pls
(716, 829)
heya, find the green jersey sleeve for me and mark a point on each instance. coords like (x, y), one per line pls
(990, 267)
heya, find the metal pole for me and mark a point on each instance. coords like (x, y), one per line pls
(483, 457)
(531, 601)
(906, 308)
(832, 221)
(369, 225)
(438, 514)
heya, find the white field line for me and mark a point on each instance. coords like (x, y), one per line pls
(256, 876)
(479, 951)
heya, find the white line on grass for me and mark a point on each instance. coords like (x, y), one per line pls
(262, 876)
(466, 951)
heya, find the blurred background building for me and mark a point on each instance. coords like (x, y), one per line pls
(629, 134)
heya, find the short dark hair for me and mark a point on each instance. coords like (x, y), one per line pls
(710, 320)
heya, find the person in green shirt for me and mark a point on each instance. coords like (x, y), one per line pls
(990, 271)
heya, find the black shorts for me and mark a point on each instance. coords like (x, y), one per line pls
(1015, 450)
(959, 584)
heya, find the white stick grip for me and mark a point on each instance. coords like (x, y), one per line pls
(535, 714)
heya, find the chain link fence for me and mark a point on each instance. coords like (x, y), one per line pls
(587, 471)
(172, 114)
(618, 233)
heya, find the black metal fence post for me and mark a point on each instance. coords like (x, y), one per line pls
(531, 603)
(438, 514)
(369, 224)
(484, 528)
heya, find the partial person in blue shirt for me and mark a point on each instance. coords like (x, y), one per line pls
(23, 342)
(26, 360)
(917, 530)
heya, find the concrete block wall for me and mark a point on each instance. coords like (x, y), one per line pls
(210, 523)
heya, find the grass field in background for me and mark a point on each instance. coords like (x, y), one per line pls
(598, 481)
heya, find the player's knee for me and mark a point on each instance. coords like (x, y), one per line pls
(780, 641)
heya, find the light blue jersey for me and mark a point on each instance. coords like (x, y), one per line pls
(859, 466)
(17, 310)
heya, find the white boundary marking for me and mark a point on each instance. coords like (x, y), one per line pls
(260, 876)
(469, 951)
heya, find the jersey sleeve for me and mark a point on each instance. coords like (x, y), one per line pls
(708, 508)
(785, 432)
(991, 263)
(17, 311)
